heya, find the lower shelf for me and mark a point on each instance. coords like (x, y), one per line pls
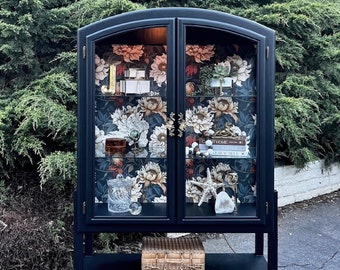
(213, 262)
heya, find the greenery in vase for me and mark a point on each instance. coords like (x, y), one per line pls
(206, 73)
(219, 73)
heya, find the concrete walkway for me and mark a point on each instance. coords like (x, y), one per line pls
(309, 236)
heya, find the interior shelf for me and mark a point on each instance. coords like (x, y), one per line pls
(207, 211)
(159, 210)
(149, 210)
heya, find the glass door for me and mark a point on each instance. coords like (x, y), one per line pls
(220, 107)
(130, 144)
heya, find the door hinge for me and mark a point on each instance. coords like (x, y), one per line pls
(84, 52)
(267, 52)
(267, 208)
(84, 208)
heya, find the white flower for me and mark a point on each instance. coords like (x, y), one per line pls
(199, 118)
(226, 65)
(158, 142)
(232, 180)
(192, 191)
(237, 131)
(240, 67)
(101, 70)
(136, 190)
(128, 119)
(121, 115)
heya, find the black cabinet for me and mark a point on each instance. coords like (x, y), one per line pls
(176, 128)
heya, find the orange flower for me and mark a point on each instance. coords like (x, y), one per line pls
(129, 52)
(200, 53)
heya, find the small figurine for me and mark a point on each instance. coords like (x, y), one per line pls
(134, 136)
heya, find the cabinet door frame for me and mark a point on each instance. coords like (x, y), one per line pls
(86, 112)
(265, 115)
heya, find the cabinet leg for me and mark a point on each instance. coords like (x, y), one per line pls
(259, 243)
(78, 251)
(273, 240)
(78, 254)
(88, 243)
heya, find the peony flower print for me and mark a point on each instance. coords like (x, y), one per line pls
(158, 69)
(161, 199)
(200, 53)
(239, 69)
(151, 173)
(129, 52)
(149, 105)
(189, 88)
(224, 105)
(121, 115)
(128, 119)
(158, 140)
(136, 190)
(101, 70)
(199, 118)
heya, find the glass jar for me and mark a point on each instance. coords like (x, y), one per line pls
(119, 189)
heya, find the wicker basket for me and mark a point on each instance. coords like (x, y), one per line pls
(161, 253)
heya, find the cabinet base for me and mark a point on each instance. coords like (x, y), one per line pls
(213, 262)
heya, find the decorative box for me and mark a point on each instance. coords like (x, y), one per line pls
(133, 86)
(161, 253)
(135, 73)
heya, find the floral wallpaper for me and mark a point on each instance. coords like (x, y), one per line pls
(225, 108)
(207, 108)
(117, 115)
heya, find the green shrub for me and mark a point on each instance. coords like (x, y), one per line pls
(58, 168)
(297, 125)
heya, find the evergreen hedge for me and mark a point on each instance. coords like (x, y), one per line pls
(38, 67)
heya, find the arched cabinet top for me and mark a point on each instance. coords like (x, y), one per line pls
(163, 16)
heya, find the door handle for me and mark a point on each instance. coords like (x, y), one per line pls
(170, 124)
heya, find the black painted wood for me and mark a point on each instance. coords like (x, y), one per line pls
(213, 262)
(177, 215)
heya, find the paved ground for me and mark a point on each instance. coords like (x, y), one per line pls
(309, 236)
